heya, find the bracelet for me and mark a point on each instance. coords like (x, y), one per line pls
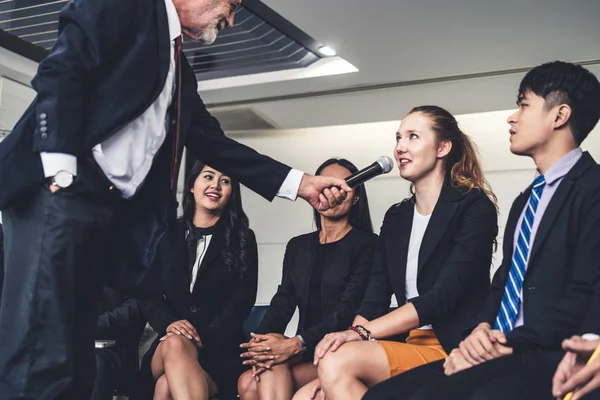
(366, 332)
(358, 331)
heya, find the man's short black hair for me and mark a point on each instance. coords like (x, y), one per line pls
(560, 82)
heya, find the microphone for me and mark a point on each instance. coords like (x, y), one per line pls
(383, 165)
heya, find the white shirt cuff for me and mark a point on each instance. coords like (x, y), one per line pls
(289, 188)
(54, 162)
(590, 336)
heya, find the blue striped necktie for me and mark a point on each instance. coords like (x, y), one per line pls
(509, 308)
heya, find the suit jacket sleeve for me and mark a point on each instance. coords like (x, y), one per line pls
(351, 299)
(228, 322)
(90, 32)
(568, 310)
(283, 304)
(208, 143)
(591, 322)
(472, 251)
(120, 322)
(1, 260)
(158, 313)
(378, 294)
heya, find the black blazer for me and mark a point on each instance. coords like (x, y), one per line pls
(97, 79)
(453, 267)
(1, 260)
(591, 321)
(220, 301)
(121, 320)
(564, 264)
(342, 288)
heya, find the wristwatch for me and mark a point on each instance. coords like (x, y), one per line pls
(302, 343)
(63, 179)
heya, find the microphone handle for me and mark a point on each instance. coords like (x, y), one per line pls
(364, 175)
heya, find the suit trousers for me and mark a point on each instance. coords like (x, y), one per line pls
(55, 248)
(109, 368)
(518, 376)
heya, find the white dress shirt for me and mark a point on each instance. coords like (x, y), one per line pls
(126, 157)
(203, 244)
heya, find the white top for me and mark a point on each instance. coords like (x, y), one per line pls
(203, 244)
(419, 225)
(126, 157)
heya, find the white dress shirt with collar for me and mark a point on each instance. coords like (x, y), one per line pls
(201, 249)
(126, 157)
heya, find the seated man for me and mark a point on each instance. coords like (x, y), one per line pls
(551, 250)
(123, 323)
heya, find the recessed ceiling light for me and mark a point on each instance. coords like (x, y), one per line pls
(327, 51)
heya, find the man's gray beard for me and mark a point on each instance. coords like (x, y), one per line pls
(209, 36)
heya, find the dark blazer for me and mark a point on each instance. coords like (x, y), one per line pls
(220, 301)
(1, 260)
(564, 264)
(97, 79)
(342, 288)
(121, 320)
(453, 267)
(591, 321)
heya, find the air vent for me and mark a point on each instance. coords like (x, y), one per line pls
(241, 119)
(260, 41)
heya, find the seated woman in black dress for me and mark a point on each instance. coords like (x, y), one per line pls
(325, 274)
(208, 292)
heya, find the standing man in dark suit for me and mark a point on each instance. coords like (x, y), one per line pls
(89, 175)
(1, 260)
(551, 250)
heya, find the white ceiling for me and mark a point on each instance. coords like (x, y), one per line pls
(400, 43)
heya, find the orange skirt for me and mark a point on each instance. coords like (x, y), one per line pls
(421, 347)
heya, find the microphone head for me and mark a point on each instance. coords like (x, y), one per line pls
(386, 163)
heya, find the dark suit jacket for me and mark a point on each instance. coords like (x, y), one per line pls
(342, 288)
(564, 264)
(121, 320)
(1, 260)
(108, 65)
(591, 321)
(220, 301)
(453, 267)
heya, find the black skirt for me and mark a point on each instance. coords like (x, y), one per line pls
(223, 364)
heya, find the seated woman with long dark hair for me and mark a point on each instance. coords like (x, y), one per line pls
(435, 257)
(325, 275)
(209, 289)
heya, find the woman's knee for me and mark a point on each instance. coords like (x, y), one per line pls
(247, 386)
(334, 365)
(176, 345)
(161, 389)
(306, 392)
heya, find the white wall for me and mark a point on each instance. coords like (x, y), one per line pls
(14, 99)
(275, 223)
